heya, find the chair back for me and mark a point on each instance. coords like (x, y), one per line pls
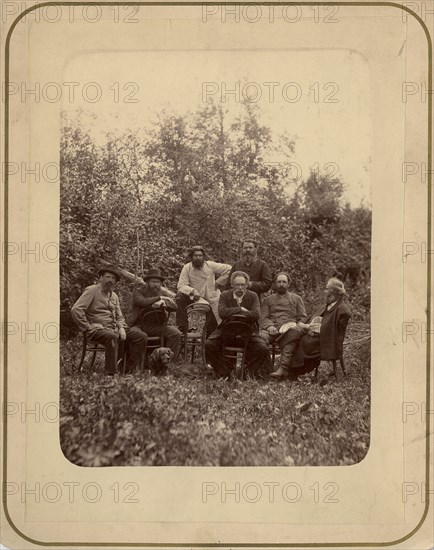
(197, 315)
(238, 330)
(157, 317)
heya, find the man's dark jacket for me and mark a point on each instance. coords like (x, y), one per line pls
(259, 273)
(228, 306)
(329, 344)
(143, 299)
(332, 331)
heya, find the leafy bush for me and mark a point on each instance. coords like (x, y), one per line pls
(142, 199)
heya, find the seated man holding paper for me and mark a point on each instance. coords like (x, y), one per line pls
(324, 334)
(282, 318)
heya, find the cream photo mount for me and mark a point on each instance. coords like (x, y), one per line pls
(381, 501)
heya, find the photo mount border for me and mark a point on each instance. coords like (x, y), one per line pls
(5, 273)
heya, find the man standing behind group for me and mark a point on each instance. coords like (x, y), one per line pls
(152, 297)
(200, 278)
(277, 310)
(258, 270)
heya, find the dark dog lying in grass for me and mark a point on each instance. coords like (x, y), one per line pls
(159, 360)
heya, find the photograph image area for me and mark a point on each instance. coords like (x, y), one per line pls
(215, 258)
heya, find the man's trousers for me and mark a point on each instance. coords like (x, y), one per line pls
(287, 343)
(110, 339)
(172, 336)
(256, 358)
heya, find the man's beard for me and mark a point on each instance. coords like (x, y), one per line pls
(108, 287)
(155, 291)
(249, 257)
(198, 263)
(281, 290)
(239, 293)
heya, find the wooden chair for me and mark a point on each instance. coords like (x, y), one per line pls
(195, 331)
(159, 318)
(272, 346)
(89, 345)
(236, 332)
(341, 357)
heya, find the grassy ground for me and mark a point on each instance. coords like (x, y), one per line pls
(189, 418)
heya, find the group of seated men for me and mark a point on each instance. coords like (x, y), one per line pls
(228, 290)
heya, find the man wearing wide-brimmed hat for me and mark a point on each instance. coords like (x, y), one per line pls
(98, 313)
(151, 297)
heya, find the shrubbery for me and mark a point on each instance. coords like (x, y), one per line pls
(141, 199)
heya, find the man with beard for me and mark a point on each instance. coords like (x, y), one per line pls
(282, 319)
(258, 270)
(199, 281)
(151, 297)
(98, 314)
(325, 331)
(238, 301)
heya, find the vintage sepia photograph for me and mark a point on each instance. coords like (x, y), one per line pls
(217, 275)
(215, 253)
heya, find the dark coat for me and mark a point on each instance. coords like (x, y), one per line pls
(332, 333)
(143, 299)
(259, 273)
(329, 344)
(228, 305)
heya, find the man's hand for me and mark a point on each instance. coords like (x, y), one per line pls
(195, 295)
(272, 330)
(95, 326)
(122, 334)
(168, 302)
(159, 303)
(244, 310)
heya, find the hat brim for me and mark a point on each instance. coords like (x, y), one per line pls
(153, 277)
(112, 271)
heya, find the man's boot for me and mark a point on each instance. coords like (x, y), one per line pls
(281, 372)
(285, 362)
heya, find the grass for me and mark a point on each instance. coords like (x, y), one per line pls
(189, 418)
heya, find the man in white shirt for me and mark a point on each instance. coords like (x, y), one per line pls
(200, 280)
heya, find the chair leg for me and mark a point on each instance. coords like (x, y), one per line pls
(334, 368)
(83, 353)
(93, 360)
(202, 345)
(124, 356)
(243, 364)
(142, 361)
(316, 372)
(185, 349)
(193, 347)
(273, 355)
(341, 360)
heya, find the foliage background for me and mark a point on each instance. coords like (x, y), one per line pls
(142, 198)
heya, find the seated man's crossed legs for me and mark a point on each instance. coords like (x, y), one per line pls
(287, 343)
